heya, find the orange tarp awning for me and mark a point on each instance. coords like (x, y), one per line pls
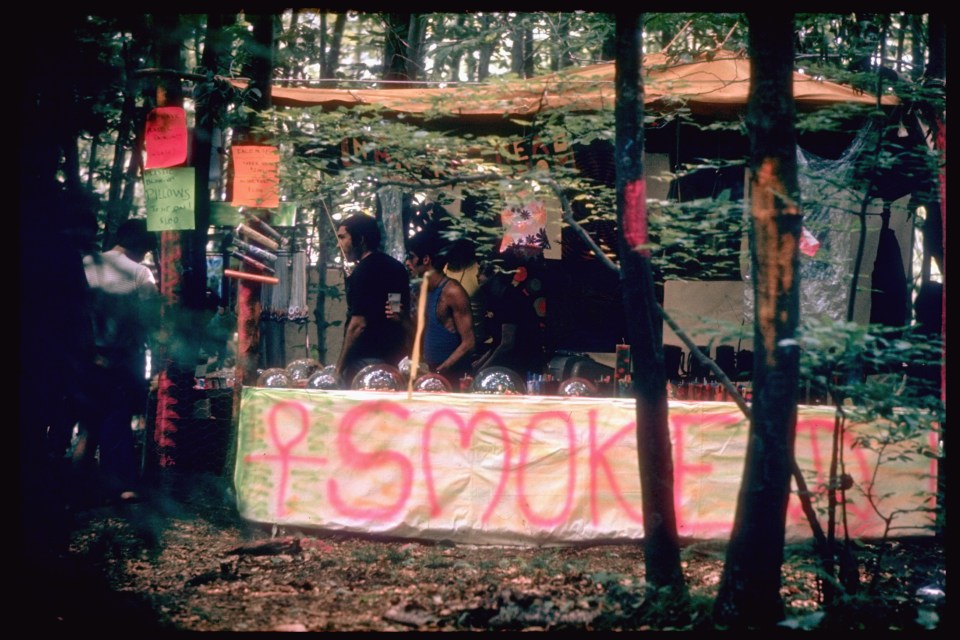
(707, 87)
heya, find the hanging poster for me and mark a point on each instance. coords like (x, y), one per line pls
(169, 194)
(165, 137)
(531, 225)
(256, 176)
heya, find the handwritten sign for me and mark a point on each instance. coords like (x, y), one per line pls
(256, 176)
(165, 137)
(169, 194)
(483, 469)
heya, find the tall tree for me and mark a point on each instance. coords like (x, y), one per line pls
(644, 326)
(330, 52)
(485, 53)
(182, 274)
(749, 595)
(396, 48)
(416, 37)
(521, 33)
(260, 69)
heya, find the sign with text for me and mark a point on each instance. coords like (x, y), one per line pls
(480, 469)
(165, 137)
(169, 194)
(256, 176)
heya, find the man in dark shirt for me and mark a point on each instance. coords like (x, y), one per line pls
(369, 335)
(511, 317)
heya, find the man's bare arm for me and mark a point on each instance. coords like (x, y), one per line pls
(354, 329)
(459, 304)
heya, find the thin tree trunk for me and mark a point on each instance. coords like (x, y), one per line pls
(454, 62)
(395, 47)
(116, 211)
(749, 594)
(486, 51)
(175, 378)
(644, 326)
(249, 307)
(415, 40)
(92, 161)
(332, 57)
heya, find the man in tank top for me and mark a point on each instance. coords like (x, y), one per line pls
(448, 339)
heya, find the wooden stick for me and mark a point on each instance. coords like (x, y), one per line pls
(255, 235)
(415, 357)
(243, 275)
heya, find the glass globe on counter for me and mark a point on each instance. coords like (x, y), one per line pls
(276, 378)
(432, 382)
(577, 387)
(406, 365)
(325, 379)
(499, 380)
(378, 377)
(302, 368)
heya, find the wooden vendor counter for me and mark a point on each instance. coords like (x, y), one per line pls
(519, 470)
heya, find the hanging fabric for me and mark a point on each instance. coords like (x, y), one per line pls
(889, 303)
(274, 298)
(297, 310)
(273, 304)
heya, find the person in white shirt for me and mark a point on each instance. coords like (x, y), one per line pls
(125, 309)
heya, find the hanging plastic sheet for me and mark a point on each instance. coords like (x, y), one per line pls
(829, 203)
(391, 208)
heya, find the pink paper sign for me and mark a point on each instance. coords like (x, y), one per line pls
(165, 137)
(256, 176)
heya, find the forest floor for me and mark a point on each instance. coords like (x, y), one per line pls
(190, 563)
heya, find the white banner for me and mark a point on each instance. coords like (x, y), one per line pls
(486, 469)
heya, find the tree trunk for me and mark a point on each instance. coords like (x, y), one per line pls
(454, 62)
(644, 326)
(560, 55)
(331, 56)
(249, 307)
(749, 595)
(395, 48)
(486, 51)
(133, 171)
(415, 40)
(175, 376)
(116, 212)
(521, 62)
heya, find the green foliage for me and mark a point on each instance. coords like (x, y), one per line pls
(871, 374)
(698, 239)
(397, 555)
(838, 355)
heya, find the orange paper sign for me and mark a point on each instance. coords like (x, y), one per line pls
(256, 176)
(165, 137)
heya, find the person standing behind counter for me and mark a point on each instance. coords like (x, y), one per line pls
(511, 316)
(448, 339)
(370, 336)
